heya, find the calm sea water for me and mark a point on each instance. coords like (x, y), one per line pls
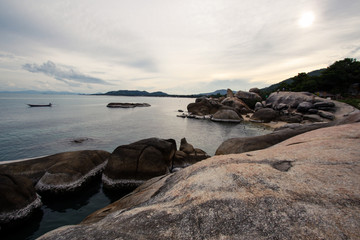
(32, 132)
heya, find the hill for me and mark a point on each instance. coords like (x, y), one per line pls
(280, 85)
(136, 93)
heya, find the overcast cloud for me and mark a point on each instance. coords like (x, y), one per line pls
(179, 47)
(61, 73)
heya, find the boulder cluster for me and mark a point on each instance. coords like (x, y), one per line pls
(229, 109)
(306, 187)
(294, 107)
(23, 183)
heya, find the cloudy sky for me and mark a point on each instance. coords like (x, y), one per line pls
(179, 47)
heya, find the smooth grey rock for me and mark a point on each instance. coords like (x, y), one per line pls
(250, 98)
(304, 107)
(258, 106)
(327, 115)
(313, 118)
(265, 115)
(324, 104)
(291, 99)
(226, 115)
(236, 104)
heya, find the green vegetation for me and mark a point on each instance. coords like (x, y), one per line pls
(355, 102)
(335, 79)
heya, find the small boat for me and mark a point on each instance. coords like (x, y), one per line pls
(40, 105)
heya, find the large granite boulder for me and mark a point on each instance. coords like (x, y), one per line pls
(131, 165)
(229, 93)
(292, 99)
(18, 199)
(304, 188)
(265, 115)
(204, 106)
(250, 98)
(72, 171)
(304, 107)
(187, 155)
(236, 104)
(62, 172)
(227, 115)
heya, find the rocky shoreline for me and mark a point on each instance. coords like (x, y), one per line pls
(24, 182)
(176, 189)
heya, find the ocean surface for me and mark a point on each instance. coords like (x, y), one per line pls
(32, 132)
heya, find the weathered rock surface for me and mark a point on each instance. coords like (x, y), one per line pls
(204, 106)
(226, 115)
(306, 187)
(131, 165)
(187, 155)
(246, 144)
(229, 93)
(18, 199)
(237, 105)
(291, 99)
(71, 171)
(265, 115)
(249, 98)
(61, 172)
(304, 106)
(127, 105)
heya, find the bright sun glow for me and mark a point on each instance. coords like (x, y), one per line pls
(306, 19)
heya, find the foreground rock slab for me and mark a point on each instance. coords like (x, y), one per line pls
(306, 187)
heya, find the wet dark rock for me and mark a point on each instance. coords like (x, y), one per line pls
(127, 105)
(18, 199)
(79, 140)
(324, 104)
(312, 111)
(71, 171)
(62, 172)
(130, 165)
(188, 155)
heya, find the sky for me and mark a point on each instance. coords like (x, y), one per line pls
(179, 47)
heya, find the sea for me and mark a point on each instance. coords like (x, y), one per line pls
(30, 132)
